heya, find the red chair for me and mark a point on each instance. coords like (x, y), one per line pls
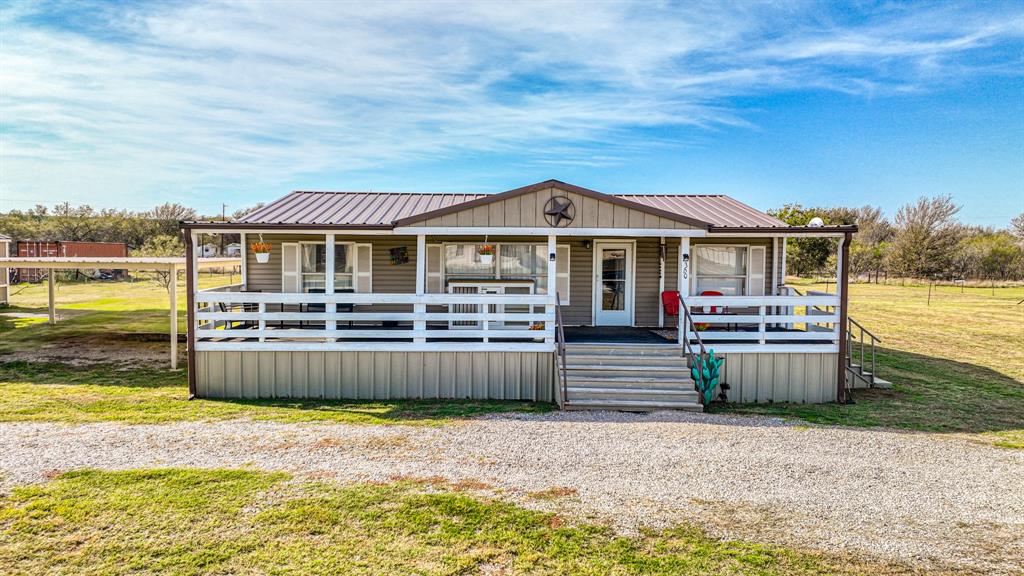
(670, 302)
(710, 309)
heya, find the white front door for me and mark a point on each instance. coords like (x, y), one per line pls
(613, 283)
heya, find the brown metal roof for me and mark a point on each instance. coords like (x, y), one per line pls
(718, 210)
(384, 209)
(351, 208)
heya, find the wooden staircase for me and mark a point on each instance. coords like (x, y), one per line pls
(861, 367)
(632, 377)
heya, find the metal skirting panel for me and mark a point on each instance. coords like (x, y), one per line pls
(780, 377)
(376, 375)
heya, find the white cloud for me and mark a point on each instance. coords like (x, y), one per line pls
(185, 99)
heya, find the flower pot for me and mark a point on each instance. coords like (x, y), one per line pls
(263, 257)
(486, 258)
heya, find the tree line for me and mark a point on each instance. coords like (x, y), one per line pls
(148, 233)
(923, 240)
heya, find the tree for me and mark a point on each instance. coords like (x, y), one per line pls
(162, 246)
(242, 212)
(926, 238)
(1017, 226)
(804, 256)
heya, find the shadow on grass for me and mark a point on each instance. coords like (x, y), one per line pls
(152, 395)
(929, 394)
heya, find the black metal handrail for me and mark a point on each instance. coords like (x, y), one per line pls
(873, 340)
(560, 344)
(696, 358)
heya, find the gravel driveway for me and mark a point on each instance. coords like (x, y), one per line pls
(925, 499)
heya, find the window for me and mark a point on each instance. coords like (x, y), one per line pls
(721, 269)
(313, 266)
(511, 262)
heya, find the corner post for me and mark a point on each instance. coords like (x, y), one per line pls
(191, 282)
(843, 289)
(419, 308)
(549, 327)
(172, 294)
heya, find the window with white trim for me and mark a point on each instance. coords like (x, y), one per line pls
(512, 261)
(352, 267)
(720, 269)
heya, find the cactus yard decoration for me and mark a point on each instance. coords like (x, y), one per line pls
(710, 370)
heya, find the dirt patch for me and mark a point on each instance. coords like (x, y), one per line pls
(141, 350)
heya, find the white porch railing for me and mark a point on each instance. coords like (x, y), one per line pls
(243, 321)
(767, 323)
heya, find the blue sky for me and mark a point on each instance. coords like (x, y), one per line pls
(133, 104)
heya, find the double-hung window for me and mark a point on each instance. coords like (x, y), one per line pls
(304, 267)
(511, 261)
(721, 269)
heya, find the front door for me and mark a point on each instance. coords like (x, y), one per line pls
(613, 283)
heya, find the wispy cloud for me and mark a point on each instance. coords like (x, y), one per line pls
(101, 101)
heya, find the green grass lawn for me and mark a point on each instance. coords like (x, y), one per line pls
(36, 392)
(245, 522)
(96, 310)
(957, 365)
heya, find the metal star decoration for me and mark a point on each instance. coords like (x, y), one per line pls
(559, 209)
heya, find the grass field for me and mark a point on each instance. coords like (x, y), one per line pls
(957, 364)
(245, 522)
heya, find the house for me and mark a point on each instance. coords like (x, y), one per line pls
(233, 250)
(5, 273)
(209, 250)
(550, 292)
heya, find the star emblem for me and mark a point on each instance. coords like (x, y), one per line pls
(559, 209)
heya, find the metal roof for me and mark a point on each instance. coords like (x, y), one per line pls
(4, 237)
(352, 208)
(717, 209)
(383, 209)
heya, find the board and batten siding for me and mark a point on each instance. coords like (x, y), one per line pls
(377, 375)
(780, 377)
(527, 211)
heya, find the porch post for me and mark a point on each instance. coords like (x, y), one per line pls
(842, 289)
(242, 251)
(420, 326)
(172, 293)
(331, 307)
(552, 284)
(683, 285)
(661, 281)
(191, 271)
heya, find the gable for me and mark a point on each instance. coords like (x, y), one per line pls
(524, 208)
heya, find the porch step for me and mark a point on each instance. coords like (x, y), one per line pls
(640, 360)
(634, 377)
(623, 349)
(866, 377)
(635, 405)
(579, 394)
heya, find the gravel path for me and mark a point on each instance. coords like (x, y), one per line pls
(930, 500)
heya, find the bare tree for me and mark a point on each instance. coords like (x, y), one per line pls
(926, 237)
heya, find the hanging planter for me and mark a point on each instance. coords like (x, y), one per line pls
(486, 253)
(262, 250)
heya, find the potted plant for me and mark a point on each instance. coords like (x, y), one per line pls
(486, 252)
(262, 251)
(537, 326)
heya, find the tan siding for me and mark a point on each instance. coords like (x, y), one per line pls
(526, 210)
(780, 377)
